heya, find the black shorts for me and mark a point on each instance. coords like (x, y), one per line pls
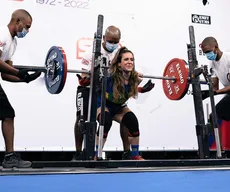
(82, 92)
(112, 107)
(6, 110)
(223, 108)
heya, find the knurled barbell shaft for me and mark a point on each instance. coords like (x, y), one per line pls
(43, 69)
(158, 77)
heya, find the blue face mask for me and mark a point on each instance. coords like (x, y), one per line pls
(22, 34)
(111, 47)
(211, 56)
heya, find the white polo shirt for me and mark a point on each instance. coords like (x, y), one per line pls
(221, 68)
(86, 61)
(7, 44)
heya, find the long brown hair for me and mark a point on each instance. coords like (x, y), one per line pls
(118, 78)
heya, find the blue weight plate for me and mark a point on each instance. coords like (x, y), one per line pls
(56, 65)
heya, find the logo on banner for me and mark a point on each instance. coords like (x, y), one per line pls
(82, 45)
(201, 19)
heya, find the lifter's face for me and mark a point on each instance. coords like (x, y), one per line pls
(111, 42)
(113, 39)
(127, 62)
(208, 48)
(21, 24)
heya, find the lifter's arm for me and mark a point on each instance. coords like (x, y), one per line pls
(86, 75)
(10, 78)
(147, 87)
(140, 77)
(215, 82)
(84, 78)
(5, 68)
(216, 87)
(224, 90)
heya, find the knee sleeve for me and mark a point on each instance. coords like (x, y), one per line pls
(107, 125)
(130, 121)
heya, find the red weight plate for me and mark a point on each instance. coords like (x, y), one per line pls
(56, 65)
(176, 89)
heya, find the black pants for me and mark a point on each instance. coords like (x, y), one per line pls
(112, 107)
(223, 108)
(6, 110)
(82, 92)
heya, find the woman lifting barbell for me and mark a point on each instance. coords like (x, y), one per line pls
(122, 84)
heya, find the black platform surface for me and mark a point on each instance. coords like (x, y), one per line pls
(121, 166)
(132, 163)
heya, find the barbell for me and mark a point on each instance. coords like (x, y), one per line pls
(43, 69)
(175, 79)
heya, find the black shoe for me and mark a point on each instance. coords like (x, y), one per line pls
(13, 160)
(78, 156)
(126, 155)
(224, 155)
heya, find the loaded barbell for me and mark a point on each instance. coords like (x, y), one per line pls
(55, 69)
(175, 79)
(44, 69)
